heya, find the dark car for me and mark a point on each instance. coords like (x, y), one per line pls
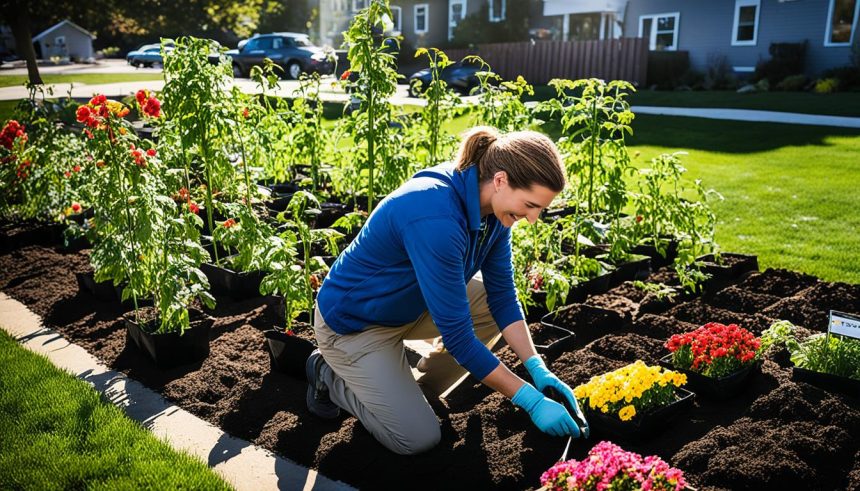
(147, 55)
(459, 76)
(291, 51)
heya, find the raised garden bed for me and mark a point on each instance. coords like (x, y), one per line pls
(777, 434)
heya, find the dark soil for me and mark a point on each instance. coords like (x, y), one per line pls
(776, 434)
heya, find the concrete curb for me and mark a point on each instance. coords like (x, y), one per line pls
(244, 465)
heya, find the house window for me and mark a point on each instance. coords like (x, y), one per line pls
(497, 10)
(396, 15)
(456, 13)
(841, 22)
(421, 18)
(661, 30)
(358, 5)
(746, 22)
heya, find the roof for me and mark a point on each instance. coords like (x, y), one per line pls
(49, 30)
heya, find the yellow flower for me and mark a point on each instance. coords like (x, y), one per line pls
(626, 413)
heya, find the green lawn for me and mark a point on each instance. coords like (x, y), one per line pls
(839, 104)
(83, 78)
(791, 192)
(56, 433)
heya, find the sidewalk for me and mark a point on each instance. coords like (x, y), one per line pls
(244, 465)
(751, 115)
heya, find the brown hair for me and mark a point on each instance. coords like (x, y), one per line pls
(528, 157)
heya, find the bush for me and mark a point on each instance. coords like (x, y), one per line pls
(826, 86)
(786, 59)
(718, 74)
(848, 76)
(792, 83)
(666, 69)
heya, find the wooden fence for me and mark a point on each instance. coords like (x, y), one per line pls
(541, 61)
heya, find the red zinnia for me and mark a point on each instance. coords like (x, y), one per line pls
(151, 152)
(98, 99)
(193, 208)
(345, 75)
(141, 96)
(229, 223)
(152, 107)
(82, 114)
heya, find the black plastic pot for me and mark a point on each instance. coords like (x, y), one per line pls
(642, 425)
(715, 388)
(330, 213)
(597, 322)
(827, 381)
(288, 352)
(209, 246)
(552, 340)
(171, 349)
(638, 267)
(238, 285)
(738, 264)
(103, 291)
(34, 234)
(658, 260)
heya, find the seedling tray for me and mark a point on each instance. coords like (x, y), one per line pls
(715, 388)
(644, 425)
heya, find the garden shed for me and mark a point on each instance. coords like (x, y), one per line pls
(66, 40)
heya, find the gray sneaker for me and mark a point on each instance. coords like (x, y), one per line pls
(317, 398)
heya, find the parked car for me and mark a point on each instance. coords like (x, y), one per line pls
(293, 52)
(459, 76)
(147, 55)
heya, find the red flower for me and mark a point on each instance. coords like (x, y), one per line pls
(76, 207)
(82, 114)
(11, 131)
(193, 208)
(152, 107)
(246, 113)
(151, 152)
(345, 75)
(76, 168)
(229, 223)
(141, 96)
(183, 194)
(88, 133)
(638, 218)
(98, 99)
(67, 174)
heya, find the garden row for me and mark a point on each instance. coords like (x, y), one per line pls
(769, 430)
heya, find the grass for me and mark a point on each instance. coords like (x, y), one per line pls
(81, 78)
(56, 433)
(838, 104)
(791, 191)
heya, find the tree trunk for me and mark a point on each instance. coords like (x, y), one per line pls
(20, 23)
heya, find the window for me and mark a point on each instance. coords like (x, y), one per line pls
(841, 22)
(278, 43)
(456, 13)
(358, 5)
(661, 30)
(397, 15)
(745, 28)
(497, 10)
(421, 18)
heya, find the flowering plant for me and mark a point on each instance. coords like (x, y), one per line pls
(630, 390)
(714, 350)
(608, 466)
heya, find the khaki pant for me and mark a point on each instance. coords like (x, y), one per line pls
(368, 376)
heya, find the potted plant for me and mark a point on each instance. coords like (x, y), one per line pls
(829, 361)
(717, 359)
(608, 466)
(635, 400)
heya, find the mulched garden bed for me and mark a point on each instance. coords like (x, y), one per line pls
(777, 434)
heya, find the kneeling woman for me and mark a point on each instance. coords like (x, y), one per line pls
(413, 273)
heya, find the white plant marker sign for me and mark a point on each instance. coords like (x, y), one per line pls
(844, 324)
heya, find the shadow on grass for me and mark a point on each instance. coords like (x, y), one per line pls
(714, 135)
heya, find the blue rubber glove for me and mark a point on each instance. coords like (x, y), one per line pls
(543, 378)
(548, 415)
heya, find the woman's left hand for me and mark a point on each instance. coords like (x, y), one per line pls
(544, 379)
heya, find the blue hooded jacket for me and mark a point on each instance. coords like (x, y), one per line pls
(416, 253)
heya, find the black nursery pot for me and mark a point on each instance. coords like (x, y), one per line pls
(552, 340)
(103, 291)
(715, 388)
(827, 381)
(238, 285)
(642, 425)
(171, 349)
(288, 352)
(637, 268)
(658, 260)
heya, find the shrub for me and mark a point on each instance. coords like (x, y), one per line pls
(718, 74)
(786, 59)
(848, 76)
(826, 85)
(666, 69)
(792, 83)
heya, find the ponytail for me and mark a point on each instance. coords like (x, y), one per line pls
(528, 157)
